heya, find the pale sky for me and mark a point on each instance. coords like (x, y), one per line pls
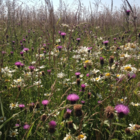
(116, 3)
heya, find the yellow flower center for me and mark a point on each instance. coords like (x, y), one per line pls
(2, 118)
(121, 100)
(128, 68)
(68, 138)
(7, 80)
(13, 134)
(97, 79)
(42, 48)
(135, 104)
(107, 74)
(132, 46)
(13, 105)
(80, 136)
(87, 61)
(122, 55)
(118, 75)
(19, 80)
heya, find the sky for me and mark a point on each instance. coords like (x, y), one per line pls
(116, 3)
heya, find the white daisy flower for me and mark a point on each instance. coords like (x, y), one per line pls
(2, 119)
(60, 75)
(13, 133)
(82, 136)
(13, 105)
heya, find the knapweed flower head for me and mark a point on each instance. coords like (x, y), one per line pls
(77, 74)
(45, 102)
(31, 68)
(78, 39)
(73, 98)
(109, 112)
(63, 34)
(26, 126)
(106, 42)
(128, 12)
(18, 64)
(21, 106)
(101, 61)
(26, 49)
(52, 124)
(122, 110)
(59, 47)
(83, 87)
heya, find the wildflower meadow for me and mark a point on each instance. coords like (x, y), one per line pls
(69, 74)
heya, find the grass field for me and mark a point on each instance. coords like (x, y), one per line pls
(69, 75)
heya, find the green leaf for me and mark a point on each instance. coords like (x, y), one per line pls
(97, 130)
(39, 134)
(119, 124)
(107, 122)
(1, 107)
(30, 130)
(75, 127)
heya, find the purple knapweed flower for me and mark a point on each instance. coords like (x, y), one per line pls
(13, 42)
(45, 102)
(26, 126)
(21, 53)
(59, 47)
(83, 87)
(22, 65)
(11, 52)
(78, 39)
(122, 110)
(26, 49)
(21, 106)
(31, 68)
(77, 74)
(106, 42)
(83, 102)
(101, 61)
(73, 98)
(17, 125)
(128, 12)
(44, 45)
(3, 52)
(52, 124)
(63, 34)
(69, 110)
(87, 74)
(18, 64)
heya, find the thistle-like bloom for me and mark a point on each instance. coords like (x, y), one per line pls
(63, 34)
(77, 74)
(26, 49)
(67, 114)
(101, 61)
(122, 110)
(106, 42)
(26, 126)
(128, 12)
(109, 112)
(31, 68)
(73, 98)
(83, 87)
(21, 106)
(59, 47)
(18, 64)
(45, 102)
(52, 125)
